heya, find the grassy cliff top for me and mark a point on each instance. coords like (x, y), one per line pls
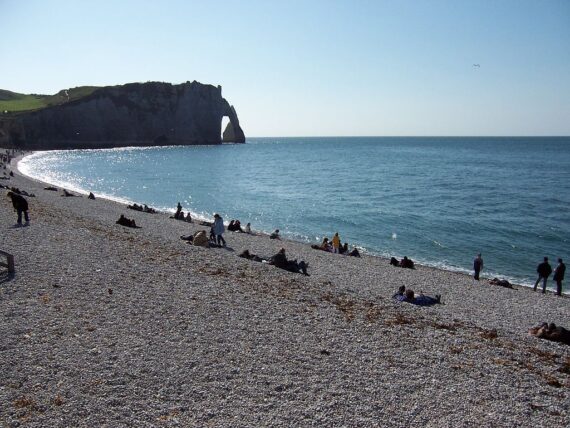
(13, 102)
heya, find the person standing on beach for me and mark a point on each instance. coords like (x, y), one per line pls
(477, 266)
(559, 276)
(544, 270)
(219, 229)
(21, 206)
(178, 211)
(336, 243)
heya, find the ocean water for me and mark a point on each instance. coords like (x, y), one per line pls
(437, 200)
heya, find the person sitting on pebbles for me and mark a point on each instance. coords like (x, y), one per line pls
(408, 295)
(275, 235)
(280, 260)
(407, 263)
(354, 253)
(124, 221)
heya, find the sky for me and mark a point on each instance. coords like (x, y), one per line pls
(312, 67)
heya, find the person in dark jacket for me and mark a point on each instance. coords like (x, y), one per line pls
(559, 276)
(21, 206)
(280, 260)
(544, 270)
(477, 266)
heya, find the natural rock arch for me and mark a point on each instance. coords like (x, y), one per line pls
(136, 114)
(233, 132)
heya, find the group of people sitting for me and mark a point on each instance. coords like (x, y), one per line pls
(143, 208)
(127, 222)
(403, 295)
(279, 260)
(404, 263)
(334, 246)
(179, 214)
(235, 226)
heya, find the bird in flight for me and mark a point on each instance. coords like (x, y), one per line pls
(476, 65)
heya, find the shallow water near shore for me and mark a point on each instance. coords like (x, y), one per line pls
(436, 200)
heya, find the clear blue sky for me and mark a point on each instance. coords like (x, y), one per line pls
(313, 68)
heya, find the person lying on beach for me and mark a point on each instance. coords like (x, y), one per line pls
(500, 282)
(20, 192)
(254, 257)
(127, 222)
(551, 332)
(275, 235)
(280, 260)
(68, 194)
(325, 246)
(409, 296)
(52, 188)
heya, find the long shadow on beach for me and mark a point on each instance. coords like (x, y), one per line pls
(5, 277)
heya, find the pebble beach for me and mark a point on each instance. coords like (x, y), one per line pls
(104, 325)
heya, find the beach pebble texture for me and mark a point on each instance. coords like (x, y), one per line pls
(107, 326)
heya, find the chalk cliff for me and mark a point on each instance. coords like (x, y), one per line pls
(135, 114)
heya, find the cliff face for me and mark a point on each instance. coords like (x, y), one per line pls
(136, 114)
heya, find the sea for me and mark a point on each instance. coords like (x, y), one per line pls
(437, 200)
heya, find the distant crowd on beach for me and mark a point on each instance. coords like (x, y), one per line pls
(5, 159)
(282, 261)
(333, 245)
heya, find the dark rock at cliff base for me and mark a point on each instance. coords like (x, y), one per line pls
(135, 114)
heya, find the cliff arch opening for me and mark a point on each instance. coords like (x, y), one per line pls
(224, 126)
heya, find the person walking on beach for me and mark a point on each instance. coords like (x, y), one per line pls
(559, 276)
(21, 206)
(336, 243)
(477, 266)
(219, 229)
(544, 270)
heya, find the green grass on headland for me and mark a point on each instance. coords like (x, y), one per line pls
(13, 102)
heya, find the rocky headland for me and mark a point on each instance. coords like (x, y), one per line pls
(135, 114)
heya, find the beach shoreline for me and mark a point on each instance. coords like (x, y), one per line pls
(106, 325)
(484, 276)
